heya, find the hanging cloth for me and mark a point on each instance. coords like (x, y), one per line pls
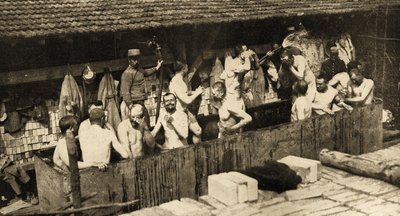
(71, 102)
(107, 94)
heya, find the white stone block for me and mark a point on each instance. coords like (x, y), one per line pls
(241, 187)
(223, 190)
(309, 170)
(252, 185)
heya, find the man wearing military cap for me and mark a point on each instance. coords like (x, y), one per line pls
(333, 65)
(133, 83)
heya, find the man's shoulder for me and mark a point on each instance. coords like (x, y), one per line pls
(129, 70)
(123, 124)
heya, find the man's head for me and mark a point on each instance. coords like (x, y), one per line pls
(133, 57)
(334, 53)
(97, 117)
(169, 100)
(353, 64)
(286, 57)
(219, 90)
(342, 40)
(181, 68)
(356, 76)
(300, 88)
(136, 115)
(69, 122)
(321, 83)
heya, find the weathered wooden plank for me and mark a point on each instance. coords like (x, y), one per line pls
(187, 175)
(355, 131)
(288, 140)
(262, 146)
(58, 72)
(324, 131)
(220, 53)
(308, 135)
(339, 144)
(50, 185)
(112, 185)
(371, 128)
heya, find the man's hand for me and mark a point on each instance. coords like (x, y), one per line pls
(102, 166)
(168, 118)
(159, 63)
(329, 111)
(199, 90)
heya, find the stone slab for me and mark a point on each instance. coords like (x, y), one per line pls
(299, 194)
(367, 185)
(222, 189)
(210, 201)
(242, 195)
(307, 169)
(179, 208)
(252, 185)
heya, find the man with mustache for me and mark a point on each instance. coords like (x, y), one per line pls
(326, 97)
(360, 89)
(184, 98)
(174, 122)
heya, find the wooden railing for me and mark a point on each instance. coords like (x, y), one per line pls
(183, 172)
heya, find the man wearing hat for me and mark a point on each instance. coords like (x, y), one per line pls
(333, 65)
(133, 83)
(133, 132)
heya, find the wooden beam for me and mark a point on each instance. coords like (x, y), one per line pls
(58, 72)
(199, 59)
(211, 54)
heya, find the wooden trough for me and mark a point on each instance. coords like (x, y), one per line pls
(183, 172)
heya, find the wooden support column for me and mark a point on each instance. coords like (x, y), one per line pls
(73, 168)
(199, 59)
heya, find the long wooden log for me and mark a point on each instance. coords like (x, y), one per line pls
(79, 210)
(388, 171)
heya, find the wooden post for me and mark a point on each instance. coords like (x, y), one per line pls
(73, 168)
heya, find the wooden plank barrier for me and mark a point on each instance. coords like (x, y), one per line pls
(183, 172)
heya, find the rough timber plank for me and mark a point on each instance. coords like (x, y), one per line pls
(288, 140)
(324, 133)
(47, 177)
(187, 175)
(308, 138)
(371, 128)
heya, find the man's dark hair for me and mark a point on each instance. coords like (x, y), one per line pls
(67, 122)
(322, 76)
(286, 52)
(96, 116)
(169, 94)
(351, 65)
(300, 87)
(237, 50)
(98, 103)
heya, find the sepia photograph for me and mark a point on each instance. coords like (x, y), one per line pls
(200, 107)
